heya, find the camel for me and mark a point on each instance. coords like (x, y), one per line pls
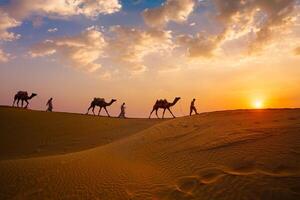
(163, 104)
(101, 103)
(23, 96)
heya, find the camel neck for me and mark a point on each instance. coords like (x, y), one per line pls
(174, 102)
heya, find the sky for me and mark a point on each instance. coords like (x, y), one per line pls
(228, 54)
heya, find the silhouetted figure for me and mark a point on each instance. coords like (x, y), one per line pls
(122, 113)
(101, 103)
(23, 96)
(50, 105)
(163, 104)
(193, 108)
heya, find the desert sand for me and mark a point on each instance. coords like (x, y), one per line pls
(242, 154)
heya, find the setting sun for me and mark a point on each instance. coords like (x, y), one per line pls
(258, 104)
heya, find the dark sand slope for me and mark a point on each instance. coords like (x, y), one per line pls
(221, 155)
(26, 133)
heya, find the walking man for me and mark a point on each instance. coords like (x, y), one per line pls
(50, 105)
(193, 108)
(122, 113)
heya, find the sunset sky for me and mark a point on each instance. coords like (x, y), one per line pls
(228, 54)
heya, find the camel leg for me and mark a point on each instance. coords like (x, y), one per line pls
(14, 102)
(93, 110)
(99, 111)
(18, 102)
(87, 112)
(170, 112)
(164, 113)
(91, 106)
(151, 113)
(156, 113)
(106, 111)
(22, 102)
(26, 103)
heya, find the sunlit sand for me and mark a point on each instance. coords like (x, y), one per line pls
(242, 154)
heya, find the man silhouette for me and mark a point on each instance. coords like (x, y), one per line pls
(49, 104)
(122, 113)
(193, 108)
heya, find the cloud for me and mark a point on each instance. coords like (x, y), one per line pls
(16, 11)
(171, 10)
(200, 45)
(61, 8)
(52, 30)
(255, 20)
(124, 48)
(81, 51)
(130, 46)
(4, 57)
(6, 23)
(263, 18)
(297, 51)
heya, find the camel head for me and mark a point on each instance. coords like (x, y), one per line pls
(111, 102)
(33, 95)
(175, 101)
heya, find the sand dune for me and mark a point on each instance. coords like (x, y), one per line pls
(222, 155)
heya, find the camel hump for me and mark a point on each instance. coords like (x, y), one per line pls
(161, 101)
(98, 99)
(22, 93)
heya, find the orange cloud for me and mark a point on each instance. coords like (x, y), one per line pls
(172, 10)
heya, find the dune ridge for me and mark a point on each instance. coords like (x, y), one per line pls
(243, 154)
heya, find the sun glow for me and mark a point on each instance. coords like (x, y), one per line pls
(258, 104)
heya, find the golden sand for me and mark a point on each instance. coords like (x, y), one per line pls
(243, 154)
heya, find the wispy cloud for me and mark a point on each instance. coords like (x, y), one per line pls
(52, 30)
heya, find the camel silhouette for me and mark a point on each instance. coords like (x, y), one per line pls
(101, 103)
(163, 104)
(23, 96)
